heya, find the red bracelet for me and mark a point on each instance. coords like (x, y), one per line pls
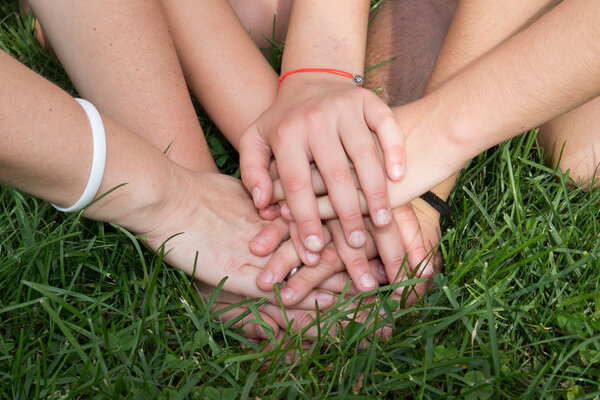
(356, 79)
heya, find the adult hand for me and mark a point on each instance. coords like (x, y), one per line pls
(204, 226)
(325, 120)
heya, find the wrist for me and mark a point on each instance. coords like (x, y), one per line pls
(136, 183)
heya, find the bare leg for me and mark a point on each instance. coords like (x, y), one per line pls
(119, 56)
(410, 32)
(579, 132)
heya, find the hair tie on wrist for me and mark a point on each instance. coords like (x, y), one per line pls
(438, 204)
(358, 80)
(98, 159)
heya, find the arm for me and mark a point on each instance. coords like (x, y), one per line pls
(47, 151)
(477, 27)
(226, 71)
(323, 118)
(540, 73)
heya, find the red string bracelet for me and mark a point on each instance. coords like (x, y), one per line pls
(356, 79)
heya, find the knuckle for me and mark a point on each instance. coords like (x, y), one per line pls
(315, 115)
(286, 129)
(329, 256)
(294, 184)
(378, 195)
(339, 174)
(351, 214)
(356, 263)
(301, 321)
(305, 223)
(367, 153)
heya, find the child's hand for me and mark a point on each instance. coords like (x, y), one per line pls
(325, 120)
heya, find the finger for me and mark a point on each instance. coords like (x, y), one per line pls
(255, 156)
(298, 320)
(294, 170)
(361, 149)
(412, 238)
(257, 330)
(306, 279)
(269, 237)
(309, 258)
(332, 162)
(419, 259)
(317, 181)
(270, 212)
(283, 260)
(337, 282)
(326, 210)
(241, 281)
(391, 250)
(380, 120)
(355, 260)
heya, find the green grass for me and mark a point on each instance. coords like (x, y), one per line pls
(87, 312)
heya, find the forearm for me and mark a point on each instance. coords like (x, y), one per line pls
(47, 150)
(477, 27)
(327, 34)
(542, 72)
(226, 71)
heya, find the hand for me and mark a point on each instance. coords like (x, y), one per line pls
(398, 243)
(320, 119)
(205, 224)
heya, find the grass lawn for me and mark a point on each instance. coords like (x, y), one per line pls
(87, 312)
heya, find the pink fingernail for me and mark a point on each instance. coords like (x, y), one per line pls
(357, 238)
(259, 240)
(256, 196)
(382, 270)
(266, 277)
(286, 293)
(311, 258)
(368, 281)
(260, 331)
(324, 298)
(285, 211)
(397, 171)
(428, 270)
(383, 217)
(313, 243)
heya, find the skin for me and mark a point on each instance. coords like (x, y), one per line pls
(151, 68)
(396, 21)
(477, 112)
(250, 88)
(323, 118)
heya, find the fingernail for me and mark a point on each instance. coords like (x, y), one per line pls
(400, 290)
(324, 298)
(313, 243)
(382, 270)
(256, 196)
(266, 277)
(286, 293)
(368, 281)
(397, 171)
(285, 211)
(259, 240)
(383, 217)
(357, 238)
(260, 331)
(311, 258)
(428, 269)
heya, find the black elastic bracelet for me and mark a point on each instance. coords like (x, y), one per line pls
(440, 205)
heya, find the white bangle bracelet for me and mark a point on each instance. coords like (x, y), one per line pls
(98, 159)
